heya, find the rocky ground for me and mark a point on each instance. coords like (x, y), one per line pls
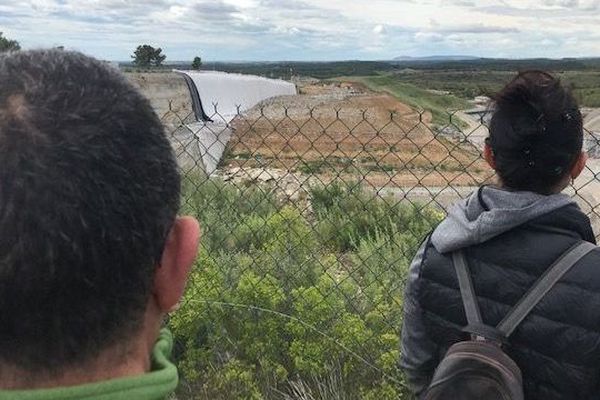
(286, 185)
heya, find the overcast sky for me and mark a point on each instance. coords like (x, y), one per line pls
(308, 29)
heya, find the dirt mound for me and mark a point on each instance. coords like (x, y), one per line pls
(342, 130)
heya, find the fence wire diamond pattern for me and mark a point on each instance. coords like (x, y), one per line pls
(310, 220)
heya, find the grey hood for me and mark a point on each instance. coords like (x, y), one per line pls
(490, 212)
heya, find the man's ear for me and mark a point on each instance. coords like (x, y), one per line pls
(579, 165)
(176, 262)
(488, 155)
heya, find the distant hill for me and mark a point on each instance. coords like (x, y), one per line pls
(437, 58)
(326, 70)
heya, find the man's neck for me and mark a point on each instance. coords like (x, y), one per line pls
(127, 358)
(116, 363)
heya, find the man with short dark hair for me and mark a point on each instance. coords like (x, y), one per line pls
(92, 254)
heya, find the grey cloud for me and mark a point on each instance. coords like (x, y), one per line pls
(270, 28)
(505, 10)
(436, 27)
(574, 4)
(464, 3)
(298, 9)
(137, 7)
(121, 4)
(476, 28)
(99, 12)
(287, 4)
(460, 3)
(215, 10)
(545, 9)
(561, 3)
(7, 13)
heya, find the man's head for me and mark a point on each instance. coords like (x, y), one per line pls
(91, 251)
(536, 134)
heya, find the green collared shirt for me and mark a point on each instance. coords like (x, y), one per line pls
(158, 384)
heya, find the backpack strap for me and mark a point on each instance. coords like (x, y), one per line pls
(475, 325)
(552, 275)
(466, 288)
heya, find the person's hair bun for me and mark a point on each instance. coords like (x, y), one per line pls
(536, 131)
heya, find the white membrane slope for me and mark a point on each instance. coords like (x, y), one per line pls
(219, 97)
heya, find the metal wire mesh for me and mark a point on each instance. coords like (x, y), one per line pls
(310, 220)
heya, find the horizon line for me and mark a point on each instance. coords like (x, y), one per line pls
(400, 59)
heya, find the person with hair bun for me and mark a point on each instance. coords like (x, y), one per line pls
(536, 135)
(511, 233)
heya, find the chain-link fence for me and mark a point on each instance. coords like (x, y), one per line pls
(310, 220)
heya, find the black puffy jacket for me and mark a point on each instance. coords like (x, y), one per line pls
(557, 346)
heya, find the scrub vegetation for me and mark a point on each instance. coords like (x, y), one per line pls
(296, 301)
(440, 105)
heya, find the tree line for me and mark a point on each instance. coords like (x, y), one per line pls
(8, 44)
(146, 56)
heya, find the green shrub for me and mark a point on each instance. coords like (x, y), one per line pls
(347, 214)
(283, 301)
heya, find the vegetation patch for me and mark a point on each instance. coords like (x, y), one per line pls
(439, 105)
(284, 301)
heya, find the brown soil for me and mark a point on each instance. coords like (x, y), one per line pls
(343, 130)
(332, 130)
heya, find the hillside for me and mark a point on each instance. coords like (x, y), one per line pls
(346, 130)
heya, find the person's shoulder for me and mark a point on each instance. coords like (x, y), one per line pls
(594, 257)
(567, 218)
(585, 274)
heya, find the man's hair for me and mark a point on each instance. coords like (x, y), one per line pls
(536, 132)
(89, 189)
